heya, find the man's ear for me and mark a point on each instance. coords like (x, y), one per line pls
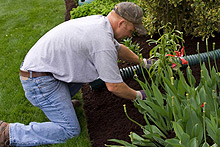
(120, 23)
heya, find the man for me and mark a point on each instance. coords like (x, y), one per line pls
(75, 52)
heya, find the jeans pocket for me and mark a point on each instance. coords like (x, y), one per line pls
(37, 90)
(47, 85)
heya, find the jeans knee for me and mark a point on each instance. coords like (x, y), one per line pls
(73, 132)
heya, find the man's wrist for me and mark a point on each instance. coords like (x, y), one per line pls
(139, 95)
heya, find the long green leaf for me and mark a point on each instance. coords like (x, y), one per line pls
(138, 140)
(183, 82)
(193, 143)
(174, 142)
(205, 144)
(121, 142)
(158, 95)
(178, 130)
(146, 108)
(205, 73)
(210, 128)
(145, 87)
(184, 137)
(158, 124)
(158, 109)
(171, 87)
(190, 77)
(214, 78)
(217, 140)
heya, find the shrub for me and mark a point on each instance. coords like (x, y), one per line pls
(97, 7)
(197, 17)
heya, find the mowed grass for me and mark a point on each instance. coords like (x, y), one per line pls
(22, 23)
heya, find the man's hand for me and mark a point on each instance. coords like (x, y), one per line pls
(148, 63)
(141, 94)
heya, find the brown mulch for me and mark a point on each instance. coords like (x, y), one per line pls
(70, 4)
(104, 111)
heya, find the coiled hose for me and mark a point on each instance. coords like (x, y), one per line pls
(194, 59)
(128, 72)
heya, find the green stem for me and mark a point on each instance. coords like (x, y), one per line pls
(148, 123)
(207, 48)
(132, 139)
(204, 131)
(213, 46)
(125, 110)
(215, 105)
(199, 54)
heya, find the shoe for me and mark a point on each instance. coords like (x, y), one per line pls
(4, 134)
(76, 103)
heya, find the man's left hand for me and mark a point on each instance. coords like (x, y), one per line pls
(148, 62)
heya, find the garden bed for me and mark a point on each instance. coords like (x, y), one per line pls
(104, 111)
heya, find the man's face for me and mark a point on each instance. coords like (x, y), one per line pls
(125, 29)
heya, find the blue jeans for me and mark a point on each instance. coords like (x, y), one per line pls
(53, 97)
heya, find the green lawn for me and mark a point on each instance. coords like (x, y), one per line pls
(22, 23)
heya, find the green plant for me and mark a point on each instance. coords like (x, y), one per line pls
(131, 45)
(167, 45)
(197, 17)
(179, 113)
(188, 113)
(97, 7)
(135, 47)
(203, 18)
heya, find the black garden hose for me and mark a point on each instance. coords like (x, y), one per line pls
(128, 72)
(194, 59)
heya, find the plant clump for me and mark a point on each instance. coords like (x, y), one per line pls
(195, 17)
(177, 111)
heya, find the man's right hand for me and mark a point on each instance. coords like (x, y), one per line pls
(141, 94)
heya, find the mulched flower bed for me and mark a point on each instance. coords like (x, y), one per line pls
(104, 111)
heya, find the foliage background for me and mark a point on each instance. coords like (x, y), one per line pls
(194, 17)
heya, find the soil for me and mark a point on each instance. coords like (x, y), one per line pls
(104, 111)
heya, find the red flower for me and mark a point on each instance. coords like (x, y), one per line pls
(170, 55)
(182, 51)
(179, 55)
(202, 105)
(174, 65)
(184, 61)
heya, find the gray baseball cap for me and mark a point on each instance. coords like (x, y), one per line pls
(132, 13)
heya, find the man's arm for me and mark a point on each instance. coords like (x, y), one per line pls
(126, 54)
(122, 90)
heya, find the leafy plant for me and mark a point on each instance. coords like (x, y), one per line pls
(179, 113)
(167, 45)
(197, 17)
(97, 7)
(133, 46)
